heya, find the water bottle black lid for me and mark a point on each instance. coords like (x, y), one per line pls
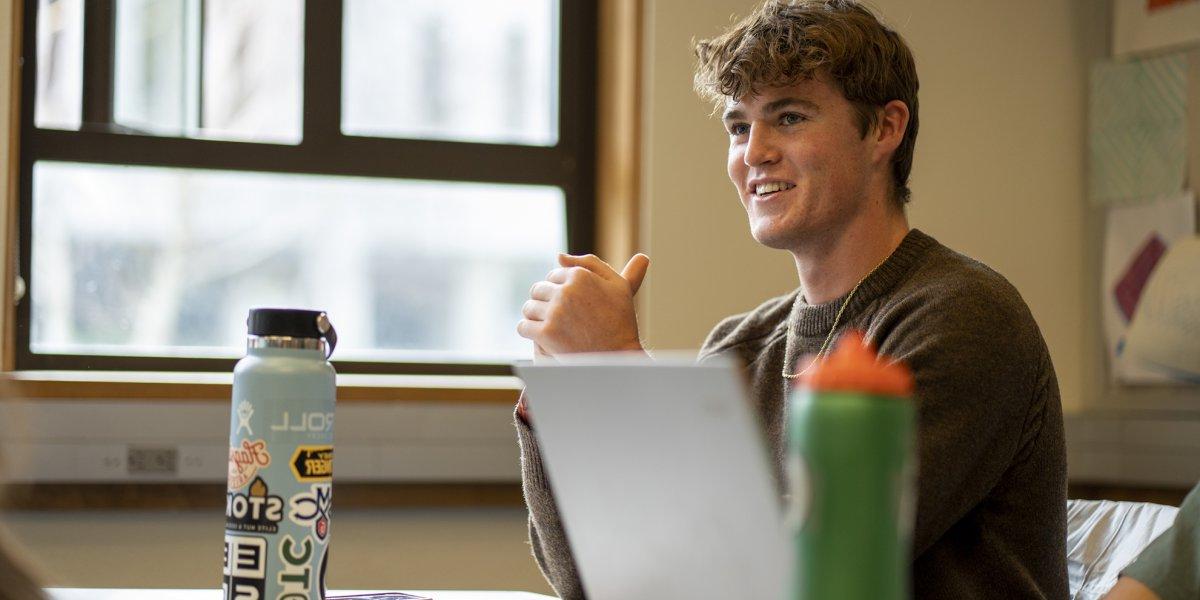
(286, 322)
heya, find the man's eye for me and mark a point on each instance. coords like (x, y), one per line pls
(792, 118)
(739, 129)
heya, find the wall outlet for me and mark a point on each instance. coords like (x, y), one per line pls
(152, 460)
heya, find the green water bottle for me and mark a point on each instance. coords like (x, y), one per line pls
(851, 469)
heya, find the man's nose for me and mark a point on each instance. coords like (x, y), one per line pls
(761, 147)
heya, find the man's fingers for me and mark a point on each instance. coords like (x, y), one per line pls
(535, 310)
(590, 262)
(562, 275)
(530, 330)
(543, 290)
(635, 271)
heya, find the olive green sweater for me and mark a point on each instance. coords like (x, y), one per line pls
(1170, 565)
(991, 510)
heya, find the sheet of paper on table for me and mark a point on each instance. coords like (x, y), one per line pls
(215, 594)
(383, 596)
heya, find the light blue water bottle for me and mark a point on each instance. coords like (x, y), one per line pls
(280, 487)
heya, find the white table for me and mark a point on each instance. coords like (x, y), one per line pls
(114, 594)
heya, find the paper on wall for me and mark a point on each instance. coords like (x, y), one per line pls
(1165, 332)
(1136, 240)
(1149, 25)
(1137, 129)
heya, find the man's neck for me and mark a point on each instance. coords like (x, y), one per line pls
(832, 267)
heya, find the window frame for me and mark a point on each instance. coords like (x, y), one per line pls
(323, 150)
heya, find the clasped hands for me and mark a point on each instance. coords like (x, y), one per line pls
(584, 305)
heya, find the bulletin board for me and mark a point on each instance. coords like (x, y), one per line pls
(1144, 174)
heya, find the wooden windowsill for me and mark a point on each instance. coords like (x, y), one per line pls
(129, 385)
(211, 496)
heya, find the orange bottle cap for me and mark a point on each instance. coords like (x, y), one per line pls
(854, 365)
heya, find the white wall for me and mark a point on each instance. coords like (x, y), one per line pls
(998, 175)
(704, 264)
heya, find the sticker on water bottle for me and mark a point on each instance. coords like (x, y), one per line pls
(907, 505)
(245, 462)
(799, 492)
(245, 411)
(295, 580)
(257, 511)
(313, 463)
(311, 509)
(244, 574)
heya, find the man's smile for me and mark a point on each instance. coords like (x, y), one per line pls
(763, 189)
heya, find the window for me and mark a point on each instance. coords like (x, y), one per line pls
(409, 166)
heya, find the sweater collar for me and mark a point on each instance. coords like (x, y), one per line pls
(814, 320)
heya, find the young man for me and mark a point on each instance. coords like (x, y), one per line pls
(820, 103)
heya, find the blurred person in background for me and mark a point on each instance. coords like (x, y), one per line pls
(16, 583)
(16, 579)
(1169, 568)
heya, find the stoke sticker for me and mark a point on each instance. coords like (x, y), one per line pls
(313, 463)
(256, 511)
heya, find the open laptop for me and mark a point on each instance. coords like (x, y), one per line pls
(661, 477)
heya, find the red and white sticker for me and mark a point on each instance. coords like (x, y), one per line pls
(245, 461)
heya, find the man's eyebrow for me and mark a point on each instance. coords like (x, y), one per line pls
(773, 106)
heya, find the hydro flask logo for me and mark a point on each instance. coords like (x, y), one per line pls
(244, 412)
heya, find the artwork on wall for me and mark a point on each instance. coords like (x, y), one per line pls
(1137, 239)
(1137, 116)
(1141, 26)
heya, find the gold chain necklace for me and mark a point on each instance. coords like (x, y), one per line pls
(787, 348)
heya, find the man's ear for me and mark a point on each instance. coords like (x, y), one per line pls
(889, 131)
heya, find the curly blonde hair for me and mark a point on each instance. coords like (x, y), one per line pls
(785, 42)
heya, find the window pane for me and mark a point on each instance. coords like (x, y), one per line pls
(471, 70)
(158, 261)
(152, 67)
(59, 102)
(253, 69)
(237, 77)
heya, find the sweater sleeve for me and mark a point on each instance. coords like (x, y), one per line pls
(980, 368)
(1170, 565)
(547, 536)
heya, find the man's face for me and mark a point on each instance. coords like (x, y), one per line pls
(798, 161)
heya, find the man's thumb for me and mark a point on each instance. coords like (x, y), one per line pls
(635, 271)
